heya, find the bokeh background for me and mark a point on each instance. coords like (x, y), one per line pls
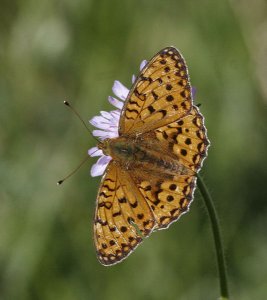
(56, 50)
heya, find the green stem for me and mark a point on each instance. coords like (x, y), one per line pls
(217, 237)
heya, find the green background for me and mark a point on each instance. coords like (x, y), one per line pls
(56, 50)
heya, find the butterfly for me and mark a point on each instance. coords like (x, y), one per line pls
(161, 144)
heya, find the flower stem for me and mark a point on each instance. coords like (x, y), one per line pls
(217, 237)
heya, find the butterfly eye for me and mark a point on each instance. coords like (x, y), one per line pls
(124, 150)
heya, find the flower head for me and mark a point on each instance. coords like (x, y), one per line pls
(108, 124)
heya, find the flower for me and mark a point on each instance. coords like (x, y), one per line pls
(108, 124)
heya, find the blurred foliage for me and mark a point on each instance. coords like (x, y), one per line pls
(56, 50)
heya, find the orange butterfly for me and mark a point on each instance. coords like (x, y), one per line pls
(151, 151)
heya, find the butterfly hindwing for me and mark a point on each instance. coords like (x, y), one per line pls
(160, 95)
(168, 195)
(122, 218)
(185, 139)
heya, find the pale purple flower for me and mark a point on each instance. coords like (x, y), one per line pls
(108, 124)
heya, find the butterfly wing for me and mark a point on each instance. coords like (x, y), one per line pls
(169, 195)
(122, 218)
(184, 140)
(160, 95)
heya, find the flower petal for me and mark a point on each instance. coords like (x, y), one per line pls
(106, 114)
(116, 114)
(194, 91)
(94, 151)
(142, 65)
(133, 78)
(120, 90)
(105, 134)
(100, 133)
(100, 122)
(115, 102)
(99, 167)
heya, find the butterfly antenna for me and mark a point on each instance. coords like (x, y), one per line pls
(74, 171)
(80, 118)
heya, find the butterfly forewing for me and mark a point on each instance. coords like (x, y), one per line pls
(160, 95)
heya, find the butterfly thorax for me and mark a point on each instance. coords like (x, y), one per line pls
(133, 152)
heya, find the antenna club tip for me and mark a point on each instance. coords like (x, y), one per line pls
(66, 103)
(60, 182)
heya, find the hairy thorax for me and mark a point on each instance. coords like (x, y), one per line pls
(134, 152)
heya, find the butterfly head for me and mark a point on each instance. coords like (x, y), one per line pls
(104, 146)
(119, 148)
